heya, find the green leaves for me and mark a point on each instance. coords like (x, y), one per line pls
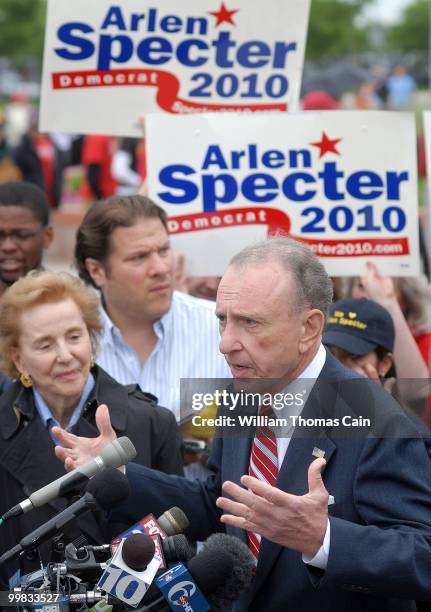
(22, 24)
(411, 33)
(332, 30)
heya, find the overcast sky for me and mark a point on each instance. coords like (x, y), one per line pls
(387, 10)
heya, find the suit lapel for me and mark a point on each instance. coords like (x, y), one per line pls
(237, 466)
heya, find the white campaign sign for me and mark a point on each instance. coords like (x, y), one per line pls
(427, 133)
(106, 64)
(345, 182)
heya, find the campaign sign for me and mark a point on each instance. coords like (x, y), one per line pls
(106, 64)
(427, 134)
(344, 182)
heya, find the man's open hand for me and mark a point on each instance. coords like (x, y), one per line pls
(297, 522)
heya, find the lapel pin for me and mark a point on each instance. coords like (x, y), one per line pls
(318, 452)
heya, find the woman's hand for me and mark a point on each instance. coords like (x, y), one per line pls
(76, 450)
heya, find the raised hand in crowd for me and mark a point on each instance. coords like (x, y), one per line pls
(408, 360)
(370, 372)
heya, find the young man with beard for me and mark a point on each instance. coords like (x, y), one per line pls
(153, 335)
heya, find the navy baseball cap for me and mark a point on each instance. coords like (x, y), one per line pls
(359, 326)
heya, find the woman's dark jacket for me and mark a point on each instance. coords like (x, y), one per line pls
(28, 462)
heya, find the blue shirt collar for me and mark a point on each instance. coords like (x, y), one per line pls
(161, 327)
(45, 413)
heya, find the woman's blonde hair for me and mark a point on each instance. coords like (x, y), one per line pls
(40, 287)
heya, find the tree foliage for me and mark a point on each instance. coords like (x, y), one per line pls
(22, 24)
(332, 30)
(412, 30)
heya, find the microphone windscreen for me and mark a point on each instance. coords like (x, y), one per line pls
(177, 548)
(241, 574)
(210, 570)
(109, 488)
(138, 550)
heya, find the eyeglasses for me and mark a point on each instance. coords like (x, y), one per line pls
(20, 235)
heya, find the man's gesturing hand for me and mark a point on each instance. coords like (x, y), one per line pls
(76, 450)
(297, 522)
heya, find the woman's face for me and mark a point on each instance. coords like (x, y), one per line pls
(54, 348)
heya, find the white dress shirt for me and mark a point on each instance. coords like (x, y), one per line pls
(304, 384)
(187, 347)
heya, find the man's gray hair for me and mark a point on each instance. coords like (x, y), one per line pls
(313, 286)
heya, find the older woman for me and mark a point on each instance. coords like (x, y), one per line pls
(49, 325)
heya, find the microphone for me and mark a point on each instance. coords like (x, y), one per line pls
(83, 562)
(213, 579)
(173, 521)
(116, 453)
(172, 549)
(91, 598)
(242, 570)
(131, 570)
(107, 489)
(177, 548)
(138, 551)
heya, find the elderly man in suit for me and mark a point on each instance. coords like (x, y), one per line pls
(337, 509)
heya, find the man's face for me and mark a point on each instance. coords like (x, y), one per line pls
(261, 336)
(22, 241)
(137, 279)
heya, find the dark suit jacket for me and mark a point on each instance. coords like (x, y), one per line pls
(5, 381)
(380, 540)
(28, 462)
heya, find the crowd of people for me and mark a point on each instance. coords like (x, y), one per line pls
(91, 356)
(386, 90)
(107, 165)
(335, 517)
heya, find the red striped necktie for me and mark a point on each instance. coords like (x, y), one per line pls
(264, 466)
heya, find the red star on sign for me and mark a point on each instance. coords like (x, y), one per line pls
(223, 15)
(326, 145)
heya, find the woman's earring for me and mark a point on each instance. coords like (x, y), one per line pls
(26, 380)
(92, 361)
